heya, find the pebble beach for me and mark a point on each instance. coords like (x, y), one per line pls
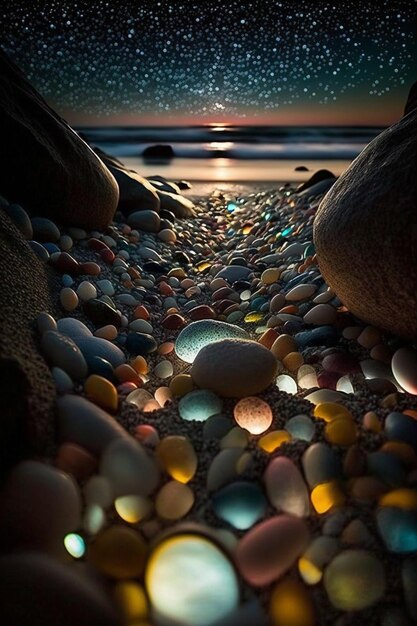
(232, 446)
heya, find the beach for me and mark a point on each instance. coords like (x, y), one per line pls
(273, 510)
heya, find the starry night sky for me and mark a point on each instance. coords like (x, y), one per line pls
(185, 62)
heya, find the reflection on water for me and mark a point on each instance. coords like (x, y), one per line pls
(233, 170)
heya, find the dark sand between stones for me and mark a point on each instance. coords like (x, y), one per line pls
(216, 236)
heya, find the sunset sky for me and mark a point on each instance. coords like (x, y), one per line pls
(166, 63)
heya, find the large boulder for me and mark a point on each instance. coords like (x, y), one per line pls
(47, 167)
(365, 231)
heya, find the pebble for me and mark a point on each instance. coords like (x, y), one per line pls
(20, 219)
(68, 299)
(101, 313)
(201, 333)
(63, 382)
(164, 369)
(401, 427)
(300, 292)
(140, 343)
(283, 345)
(320, 315)
(178, 458)
(62, 352)
(44, 229)
(286, 488)
(234, 367)
(268, 550)
(141, 326)
(174, 500)
(86, 291)
(128, 467)
(46, 322)
(232, 273)
(118, 552)
(241, 504)
(301, 427)
(320, 464)
(148, 221)
(102, 392)
(346, 590)
(398, 529)
(404, 368)
(199, 405)
(291, 605)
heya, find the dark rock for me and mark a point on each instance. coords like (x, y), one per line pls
(184, 184)
(153, 267)
(301, 168)
(49, 169)
(101, 367)
(41, 252)
(317, 177)
(136, 193)
(158, 152)
(177, 204)
(101, 313)
(149, 221)
(364, 231)
(167, 215)
(411, 103)
(319, 188)
(321, 336)
(159, 182)
(44, 229)
(140, 343)
(20, 219)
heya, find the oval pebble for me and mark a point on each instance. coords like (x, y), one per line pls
(240, 504)
(68, 298)
(86, 291)
(320, 464)
(203, 332)
(177, 457)
(64, 353)
(128, 468)
(286, 488)
(118, 552)
(200, 404)
(174, 500)
(404, 368)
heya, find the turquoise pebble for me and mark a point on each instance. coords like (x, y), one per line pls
(301, 427)
(398, 529)
(67, 280)
(241, 504)
(199, 405)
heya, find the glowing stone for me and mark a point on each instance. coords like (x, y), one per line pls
(354, 580)
(241, 504)
(203, 332)
(404, 498)
(178, 458)
(190, 581)
(286, 383)
(200, 404)
(75, 545)
(301, 427)
(253, 414)
(286, 488)
(132, 509)
(131, 599)
(318, 554)
(398, 529)
(272, 440)
(326, 496)
(118, 552)
(270, 548)
(291, 605)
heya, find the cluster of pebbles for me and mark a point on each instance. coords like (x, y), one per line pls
(234, 447)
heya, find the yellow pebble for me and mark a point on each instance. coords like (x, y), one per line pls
(140, 365)
(177, 272)
(309, 571)
(132, 509)
(177, 457)
(404, 498)
(329, 411)
(253, 316)
(118, 552)
(293, 361)
(283, 345)
(291, 605)
(371, 422)
(181, 385)
(270, 275)
(131, 599)
(341, 432)
(327, 495)
(271, 441)
(403, 450)
(101, 391)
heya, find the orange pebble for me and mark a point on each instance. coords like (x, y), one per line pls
(126, 387)
(126, 374)
(90, 268)
(141, 312)
(139, 364)
(165, 348)
(411, 413)
(268, 337)
(133, 273)
(291, 309)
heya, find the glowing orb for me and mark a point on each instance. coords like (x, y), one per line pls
(253, 414)
(75, 545)
(190, 581)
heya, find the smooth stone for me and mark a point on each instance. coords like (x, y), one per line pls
(320, 464)
(43, 504)
(63, 382)
(20, 219)
(86, 291)
(234, 367)
(301, 427)
(240, 504)
(175, 203)
(148, 221)
(323, 336)
(199, 334)
(223, 468)
(300, 292)
(101, 313)
(164, 369)
(177, 457)
(106, 287)
(46, 322)
(39, 589)
(232, 273)
(324, 395)
(320, 315)
(404, 368)
(44, 229)
(118, 552)
(64, 353)
(73, 328)
(68, 298)
(347, 591)
(199, 405)
(102, 392)
(167, 235)
(401, 427)
(286, 488)
(216, 427)
(398, 529)
(386, 467)
(97, 347)
(128, 468)
(292, 593)
(268, 550)
(41, 252)
(141, 326)
(84, 423)
(174, 500)
(140, 343)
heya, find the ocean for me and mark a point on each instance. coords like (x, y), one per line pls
(223, 153)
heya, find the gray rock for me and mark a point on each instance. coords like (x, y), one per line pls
(62, 352)
(44, 229)
(149, 221)
(20, 219)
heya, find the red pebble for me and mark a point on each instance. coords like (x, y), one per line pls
(96, 244)
(75, 460)
(173, 321)
(327, 380)
(66, 264)
(145, 433)
(90, 268)
(126, 374)
(202, 312)
(340, 363)
(107, 255)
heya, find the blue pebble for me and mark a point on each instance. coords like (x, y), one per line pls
(51, 247)
(39, 250)
(321, 336)
(401, 427)
(398, 529)
(241, 504)
(67, 280)
(386, 467)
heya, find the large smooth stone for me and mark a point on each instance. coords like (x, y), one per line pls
(38, 591)
(354, 580)
(404, 368)
(98, 347)
(49, 169)
(234, 367)
(177, 204)
(269, 549)
(398, 529)
(128, 468)
(84, 423)
(148, 221)
(201, 333)
(286, 488)
(73, 328)
(363, 231)
(62, 352)
(40, 506)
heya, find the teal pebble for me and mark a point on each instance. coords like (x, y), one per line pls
(199, 405)
(241, 504)
(398, 529)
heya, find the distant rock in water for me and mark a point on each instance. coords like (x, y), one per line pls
(364, 231)
(158, 152)
(317, 177)
(47, 167)
(301, 168)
